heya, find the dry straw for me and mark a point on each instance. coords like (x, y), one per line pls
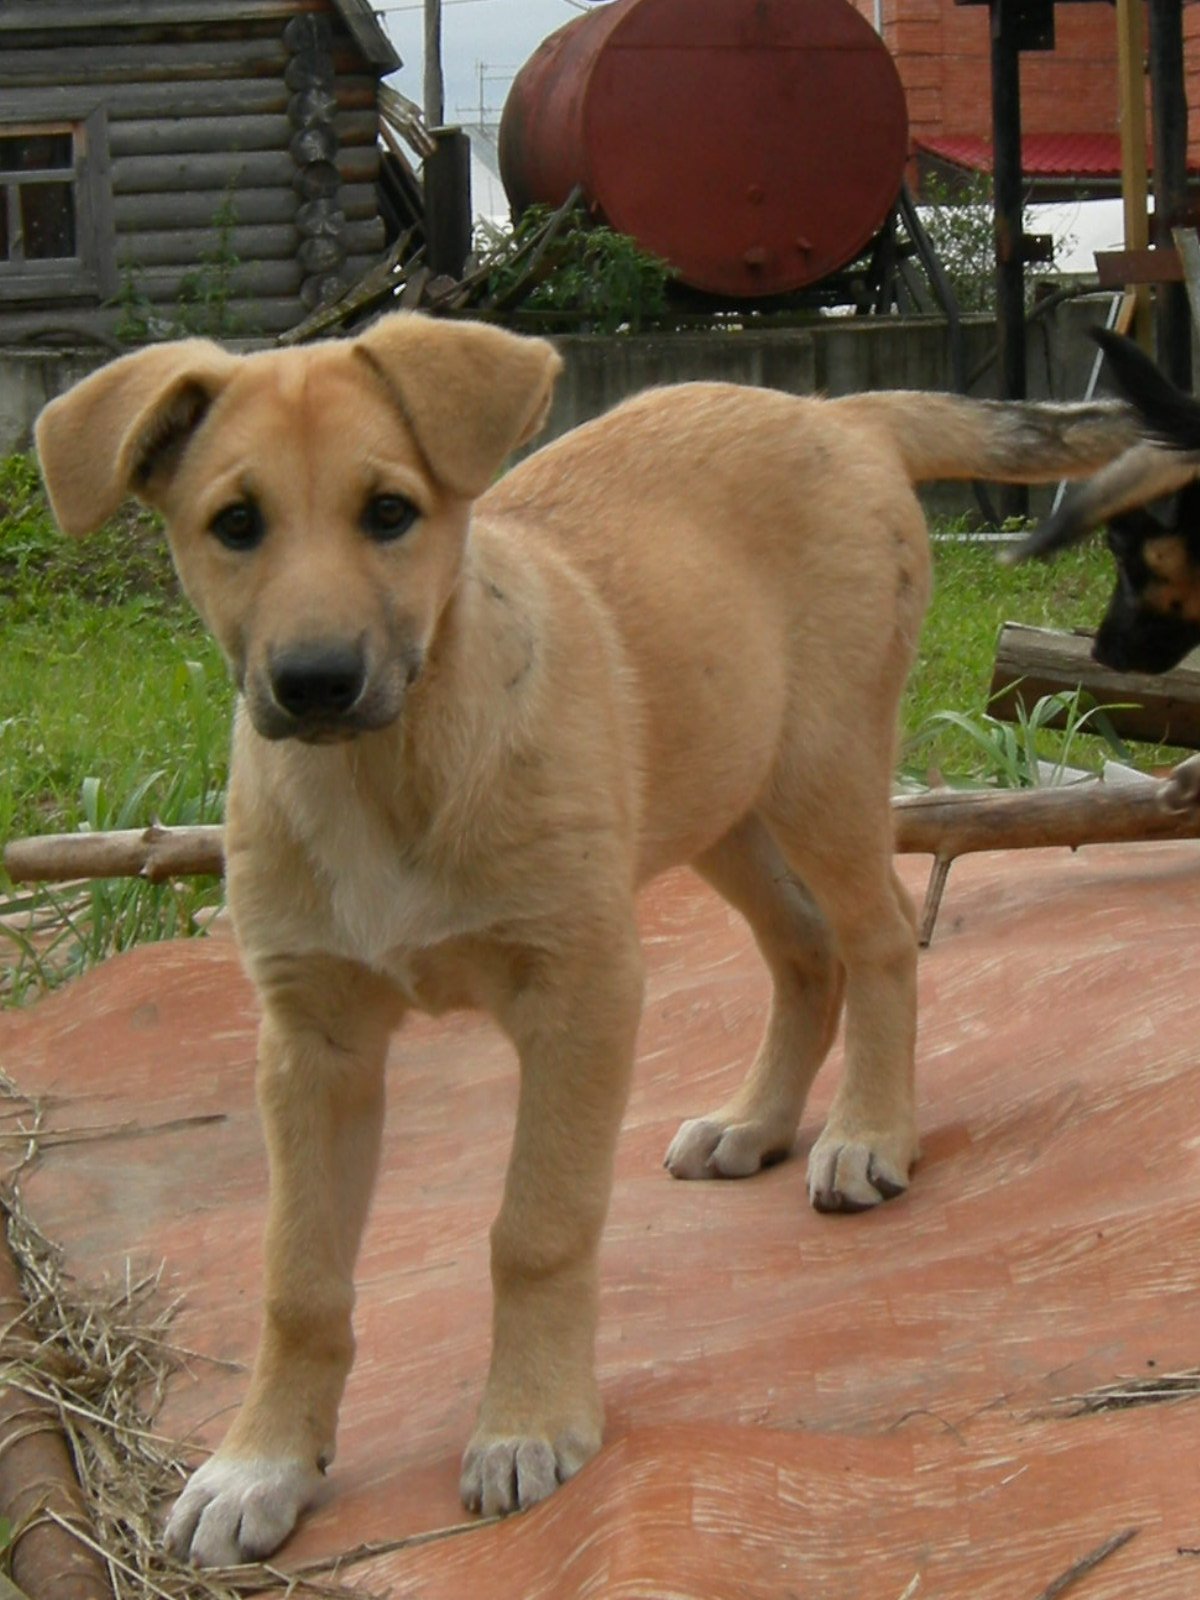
(99, 1360)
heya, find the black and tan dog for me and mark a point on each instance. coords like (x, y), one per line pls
(474, 718)
(1150, 500)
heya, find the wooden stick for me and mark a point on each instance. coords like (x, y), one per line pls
(153, 853)
(945, 823)
(948, 823)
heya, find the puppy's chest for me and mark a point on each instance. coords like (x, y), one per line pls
(383, 900)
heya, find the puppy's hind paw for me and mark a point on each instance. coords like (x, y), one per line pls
(503, 1474)
(238, 1509)
(712, 1147)
(855, 1175)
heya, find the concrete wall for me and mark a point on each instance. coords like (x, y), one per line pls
(833, 355)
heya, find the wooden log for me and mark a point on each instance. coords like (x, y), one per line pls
(186, 247)
(1032, 662)
(135, 213)
(84, 326)
(36, 15)
(949, 823)
(163, 135)
(36, 1471)
(248, 280)
(219, 170)
(310, 108)
(136, 101)
(229, 134)
(145, 63)
(318, 143)
(956, 822)
(321, 257)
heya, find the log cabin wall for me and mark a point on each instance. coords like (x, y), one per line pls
(130, 128)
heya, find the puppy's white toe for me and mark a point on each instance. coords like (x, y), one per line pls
(712, 1147)
(854, 1174)
(238, 1509)
(504, 1474)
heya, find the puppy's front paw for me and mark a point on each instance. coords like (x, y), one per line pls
(237, 1509)
(503, 1473)
(854, 1173)
(717, 1147)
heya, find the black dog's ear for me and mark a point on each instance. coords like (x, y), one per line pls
(1171, 416)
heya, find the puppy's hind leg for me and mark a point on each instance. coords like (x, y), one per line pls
(757, 1126)
(869, 1142)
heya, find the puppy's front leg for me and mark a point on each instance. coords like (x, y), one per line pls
(322, 1045)
(574, 1024)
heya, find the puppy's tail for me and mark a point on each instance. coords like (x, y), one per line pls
(1141, 474)
(1000, 441)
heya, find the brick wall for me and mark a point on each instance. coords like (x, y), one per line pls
(941, 52)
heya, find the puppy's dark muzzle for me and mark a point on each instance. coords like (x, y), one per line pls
(325, 692)
(318, 684)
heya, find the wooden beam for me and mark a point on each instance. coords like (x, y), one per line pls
(1032, 662)
(1122, 269)
(1173, 333)
(1131, 103)
(1007, 195)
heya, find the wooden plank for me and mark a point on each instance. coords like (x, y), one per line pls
(155, 212)
(185, 247)
(1121, 269)
(186, 135)
(1032, 662)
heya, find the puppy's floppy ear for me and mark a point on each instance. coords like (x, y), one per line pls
(470, 392)
(120, 431)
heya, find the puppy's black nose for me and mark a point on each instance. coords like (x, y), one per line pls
(318, 682)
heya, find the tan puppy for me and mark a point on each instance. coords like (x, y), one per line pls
(472, 724)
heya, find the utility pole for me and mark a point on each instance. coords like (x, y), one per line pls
(435, 93)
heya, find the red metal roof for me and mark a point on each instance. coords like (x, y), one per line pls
(1043, 155)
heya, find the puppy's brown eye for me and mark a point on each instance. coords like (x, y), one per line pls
(388, 516)
(238, 526)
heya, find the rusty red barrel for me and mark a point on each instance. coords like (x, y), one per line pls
(756, 145)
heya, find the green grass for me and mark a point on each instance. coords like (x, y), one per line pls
(114, 712)
(973, 595)
(115, 707)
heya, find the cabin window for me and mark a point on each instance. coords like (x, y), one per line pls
(54, 242)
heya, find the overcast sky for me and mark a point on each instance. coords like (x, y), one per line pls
(498, 35)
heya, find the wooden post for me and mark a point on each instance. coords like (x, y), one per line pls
(448, 202)
(1007, 211)
(1131, 101)
(1172, 327)
(435, 94)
